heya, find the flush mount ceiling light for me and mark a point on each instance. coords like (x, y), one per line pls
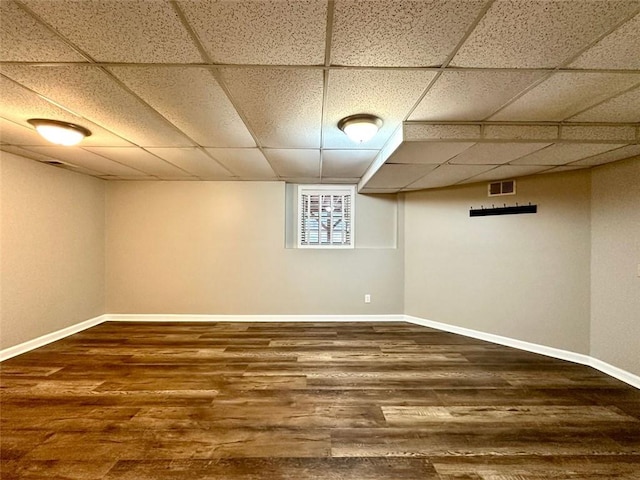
(58, 132)
(360, 128)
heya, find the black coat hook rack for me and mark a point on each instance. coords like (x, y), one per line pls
(504, 210)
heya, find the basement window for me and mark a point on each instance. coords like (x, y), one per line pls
(325, 216)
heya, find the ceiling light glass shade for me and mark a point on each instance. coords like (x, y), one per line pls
(58, 132)
(360, 128)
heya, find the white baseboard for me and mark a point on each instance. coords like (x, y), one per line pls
(615, 372)
(622, 375)
(118, 317)
(604, 367)
(29, 345)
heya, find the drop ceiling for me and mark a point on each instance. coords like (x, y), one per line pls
(469, 90)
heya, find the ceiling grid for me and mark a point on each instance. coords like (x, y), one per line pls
(253, 90)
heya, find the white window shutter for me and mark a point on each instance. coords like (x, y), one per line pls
(325, 216)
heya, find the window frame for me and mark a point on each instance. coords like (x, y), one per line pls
(326, 189)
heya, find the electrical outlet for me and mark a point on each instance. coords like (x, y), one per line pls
(367, 298)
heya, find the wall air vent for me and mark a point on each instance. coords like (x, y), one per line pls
(505, 187)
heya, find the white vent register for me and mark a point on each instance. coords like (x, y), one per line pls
(325, 216)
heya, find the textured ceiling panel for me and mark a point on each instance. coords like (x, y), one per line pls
(245, 163)
(141, 160)
(565, 94)
(522, 132)
(539, 33)
(447, 175)
(346, 163)
(260, 32)
(421, 131)
(19, 104)
(121, 30)
(262, 85)
(83, 158)
(387, 94)
(398, 176)
(617, 50)
(294, 162)
(392, 33)
(94, 95)
(602, 133)
(194, 161)
(283, 106)
(15, 134)
(192, 100)
(430, 153)
(471, 95)
(563, 153)
(623, 108)
(610, 156)
(27, 153)
(22, 38)
(495, 153)
(506, 171)
(340, 180)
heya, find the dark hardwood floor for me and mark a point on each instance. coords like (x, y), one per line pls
(308, 401)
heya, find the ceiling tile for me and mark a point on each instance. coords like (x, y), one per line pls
(445, 175)
(92, 94)
(346, 163)
(14, 134)
(245, 163)
(83, 158)
(294, 162)
(522, 132)
(24, 39)
(259, 32)
(392, 33)
(610, 156)
(603, 133)
(562, 169)
(26, 153)
(194, 161)
(563, 153)
(192, 100)
(495, 153)
(20, 104)
(387, 94)
(397, 176)
(121, 30)
(302, 180)
(623, 108)
(368, 190)
(539, 33)
(283, 106)
(506, 171)
(471, 95)
(340, 180)
(415, 131)
(564, 94)
(618, 50)
(140, 160)
(431, 153)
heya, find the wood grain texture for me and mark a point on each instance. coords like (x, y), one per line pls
(296, 401)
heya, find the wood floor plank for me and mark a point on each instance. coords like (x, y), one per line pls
(296, 401)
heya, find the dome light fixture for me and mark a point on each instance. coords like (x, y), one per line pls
(361, 127)
(59, 132)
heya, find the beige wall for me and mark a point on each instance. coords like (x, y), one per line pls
(219, 248)
(615, 260)
(52, 249)
(521, 276)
